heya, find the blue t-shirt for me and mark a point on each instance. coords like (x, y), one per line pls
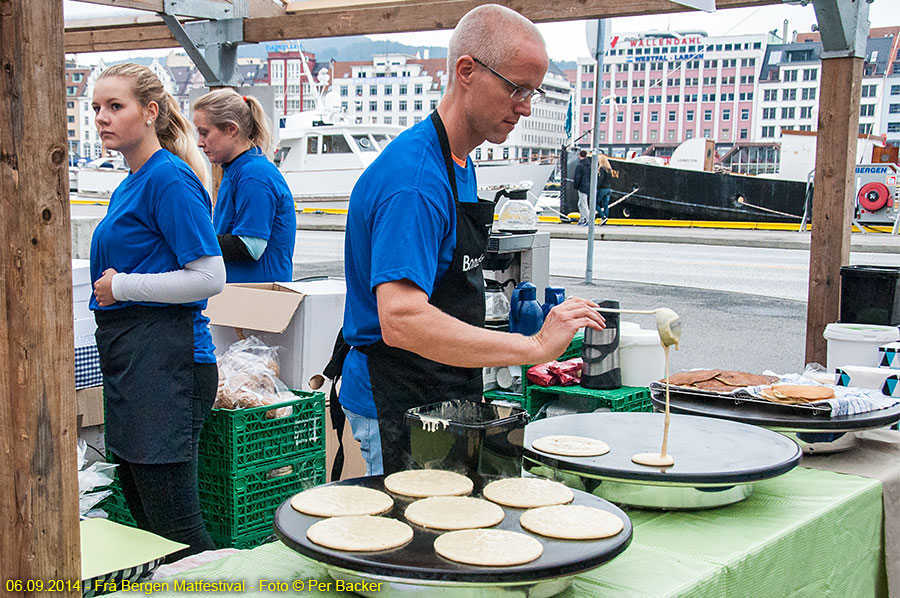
(254, 201)
(401, 224)
(158, 220)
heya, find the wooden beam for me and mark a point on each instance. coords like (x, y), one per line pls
(833, 191)
(39, 529)
(330, 18)
(151, 5)
(112, 22)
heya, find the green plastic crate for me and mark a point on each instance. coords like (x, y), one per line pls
(626, 398)
(237, 439)
(115, 506)
(242, 503)
(250, 540)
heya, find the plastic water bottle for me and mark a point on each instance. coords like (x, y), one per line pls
(525, 314)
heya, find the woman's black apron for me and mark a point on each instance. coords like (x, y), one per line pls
(401, 379)
(147, 360)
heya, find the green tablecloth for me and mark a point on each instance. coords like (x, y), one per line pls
(809, 533)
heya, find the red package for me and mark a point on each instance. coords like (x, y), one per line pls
(540, 374)
(567, 372)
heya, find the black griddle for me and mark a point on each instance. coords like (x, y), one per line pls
(417, 561)
(708, 452)
(798, 420)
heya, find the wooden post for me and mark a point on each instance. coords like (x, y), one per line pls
(834, 185)
(39, 530)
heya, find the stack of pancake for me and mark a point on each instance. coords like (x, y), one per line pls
(718, 380)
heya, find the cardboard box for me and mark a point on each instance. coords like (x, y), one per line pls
(300, 318)
(90, 405)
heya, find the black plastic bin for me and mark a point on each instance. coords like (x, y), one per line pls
(468, 437)
(870, 295)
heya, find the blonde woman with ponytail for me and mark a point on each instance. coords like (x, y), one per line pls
(254, 217)
(154, 262)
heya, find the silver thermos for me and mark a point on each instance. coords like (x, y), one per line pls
(600, 352)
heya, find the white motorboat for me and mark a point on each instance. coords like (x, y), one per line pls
(100, 177)
(321, 156)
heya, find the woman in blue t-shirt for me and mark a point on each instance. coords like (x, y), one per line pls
(254, 216)
(154, 262)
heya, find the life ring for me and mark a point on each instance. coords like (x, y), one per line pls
(873, 196)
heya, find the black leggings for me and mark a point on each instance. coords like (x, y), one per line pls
(163, 498)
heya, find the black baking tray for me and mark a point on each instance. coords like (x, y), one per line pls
(658, 392)
(795, 421)
(708, 452)
(417, 560)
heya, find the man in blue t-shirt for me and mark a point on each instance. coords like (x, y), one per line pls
(416, 237)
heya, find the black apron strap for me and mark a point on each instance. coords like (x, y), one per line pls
(445, 150)
(333, 371)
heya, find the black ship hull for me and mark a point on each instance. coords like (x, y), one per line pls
(667, 193)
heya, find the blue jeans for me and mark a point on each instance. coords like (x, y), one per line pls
(603, 202)
(365, 431)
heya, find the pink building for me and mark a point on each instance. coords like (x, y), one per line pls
(661, 88)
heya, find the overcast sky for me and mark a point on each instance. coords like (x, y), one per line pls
(566, 40)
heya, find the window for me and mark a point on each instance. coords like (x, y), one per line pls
(809, 93)
(868, 91)
(895, 90)
(434, 104)
(635, 135)
(618, 135)
(373, 90)
(388, 120)
(345, 91)
(402, 90)
(770, 95)
(359, 91)
(787, 112)
(70, 105)
(726, 114)
(810, 74)
(654, 116)
(401, 121)
(335, 144)
(373, 106)
(743, 134)
(707, 133)
(894, 109)
(70, 118)
(636, 117)
(587, 68)
(689, 134)
(689, 115)
(768, 132)
(388, 90)
(71, 90)
(806, 112)
(76, 77)
(586, 118)
(670, 135)
(893, 127)
(388, 105)
(707, 115)
(788, 94)
(865, 129)
(620, 117)
(401, 105)
(671, 116)
(769, 113)
(418, 89)
(867, 110)
(417, 104)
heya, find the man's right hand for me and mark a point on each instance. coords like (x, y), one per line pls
(562, 322)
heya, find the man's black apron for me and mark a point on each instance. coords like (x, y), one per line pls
(147, 359)
(401, 379)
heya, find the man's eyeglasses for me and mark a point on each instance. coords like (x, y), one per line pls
(519, 93)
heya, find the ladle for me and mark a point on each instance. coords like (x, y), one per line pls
(668, 324)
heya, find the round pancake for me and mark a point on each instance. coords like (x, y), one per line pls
(488, 547)
(805, 392)
(341, 501)
(454, 512)
(571, 446)
(526, 493)
(571, 522)
(363, 533)
(653, 459)
(421, 483)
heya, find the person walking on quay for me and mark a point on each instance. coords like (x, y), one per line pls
(154, 263)
(414, 245)
(254, 216)
(604, 177)
(582, 183)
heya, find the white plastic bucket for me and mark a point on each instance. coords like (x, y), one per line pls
(856, 344)
(641, 357)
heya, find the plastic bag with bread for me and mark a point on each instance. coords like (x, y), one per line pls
(248, 377)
